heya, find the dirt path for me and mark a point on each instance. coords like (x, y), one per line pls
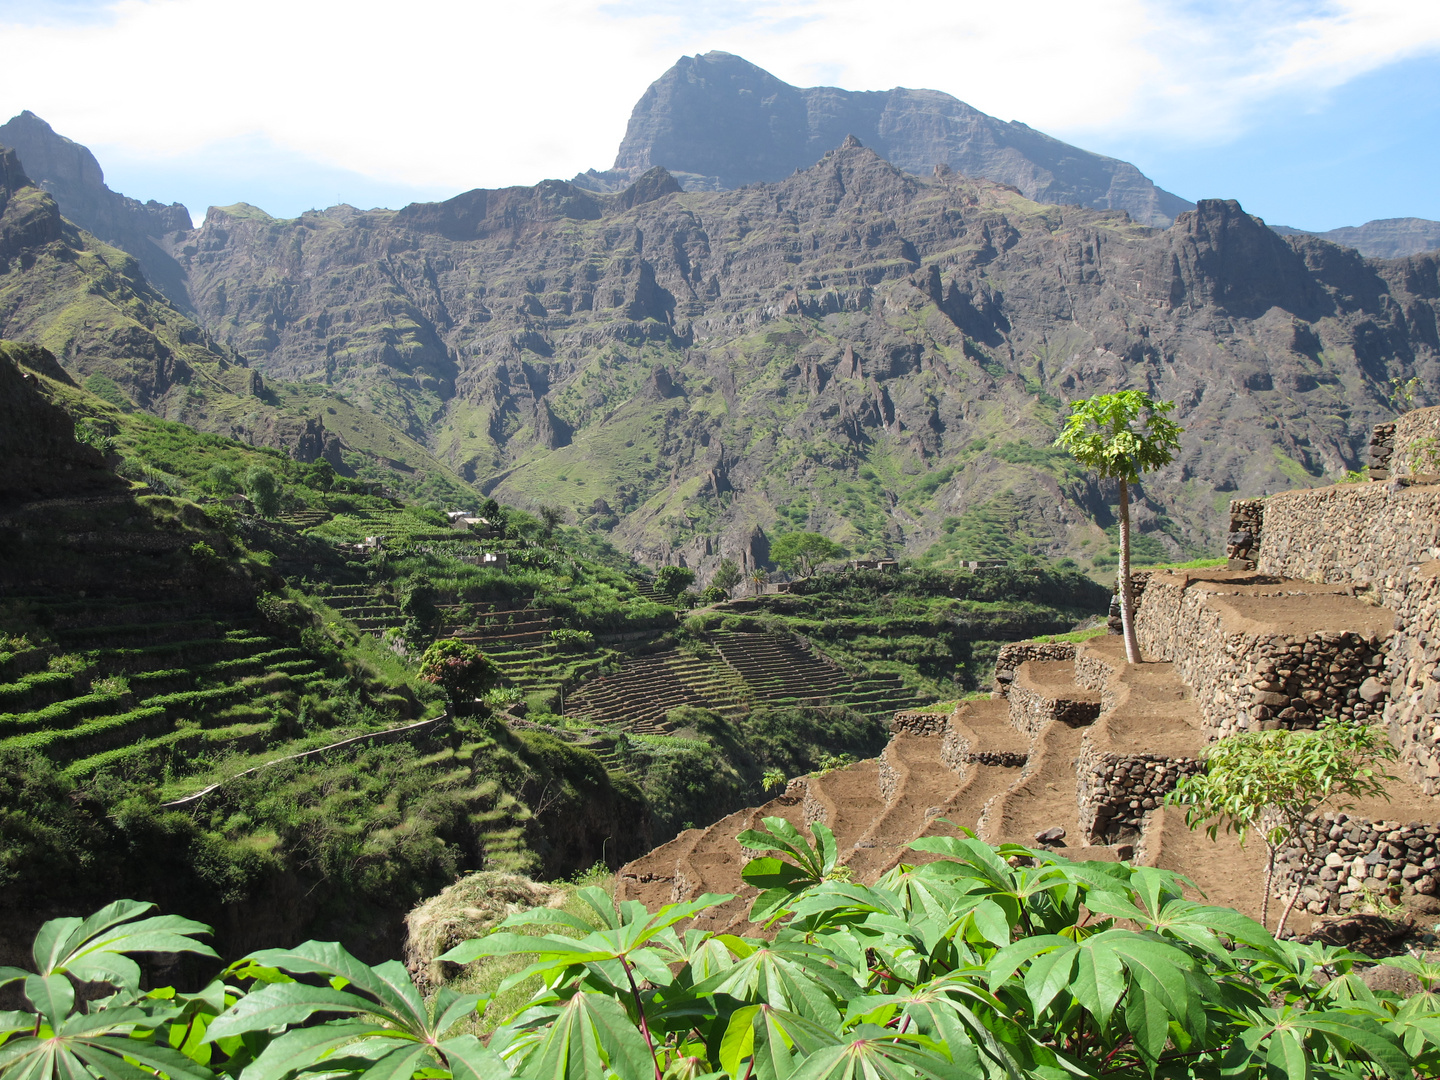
(925, 785)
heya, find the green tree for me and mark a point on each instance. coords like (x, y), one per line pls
(550, 517)
(461, 670)
(320, 475)
(1119, 436)
(263, 490)
(673, 580)
(801, 552)
(1267, 782)
(727, 575)
(221, 479)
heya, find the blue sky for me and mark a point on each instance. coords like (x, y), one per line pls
(1313, 113)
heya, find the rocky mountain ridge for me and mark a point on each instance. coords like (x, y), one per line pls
(854, 349)
(717, 122)
(1383, 238)
(73, 176)
(94, 309)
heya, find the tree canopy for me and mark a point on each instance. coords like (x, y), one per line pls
(801, 552)
(461, 670)
(1118, 436)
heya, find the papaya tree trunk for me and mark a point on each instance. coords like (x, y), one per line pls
(1127, 595)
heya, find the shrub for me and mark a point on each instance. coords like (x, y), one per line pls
(461, 670)
(572, 639)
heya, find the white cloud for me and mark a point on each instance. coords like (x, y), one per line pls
(455, 94)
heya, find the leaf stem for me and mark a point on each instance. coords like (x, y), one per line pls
(644, 1024)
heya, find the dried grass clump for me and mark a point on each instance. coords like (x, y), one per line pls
(467, 909)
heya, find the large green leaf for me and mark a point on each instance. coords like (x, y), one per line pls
(389, 984)
(588, 1033)
(877, 1054)
(283, 1004)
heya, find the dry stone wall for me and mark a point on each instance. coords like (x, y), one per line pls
(1248, 679)
(1247, 526)
(1408, 446)
(1117, 791)
(1350, 534)
(1031, 712)
(919, 723)
(1383, 540)
(1350, 859)
(1012, 655)
(1139, 579)
(1412, 704)
(1382, 449)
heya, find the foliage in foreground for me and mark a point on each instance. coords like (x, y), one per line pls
(1270, 782)
(987, 962)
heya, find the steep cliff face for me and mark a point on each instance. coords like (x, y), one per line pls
(39, 456)
(72, 175)
(718, 122)
(853, 349)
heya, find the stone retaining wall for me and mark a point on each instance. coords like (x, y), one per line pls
(1383, 540)
(1031, 712)
(1117, 791)
(1015, 653)
(1250, 681)
(1382, 448)
(1350, 534)
(955, 748)
(1412, 707)
(919, 723)
(1247, 526)
(1413, 445)
(1354, 856)
(1138, 580)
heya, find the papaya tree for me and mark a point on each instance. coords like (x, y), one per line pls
(1119, 436)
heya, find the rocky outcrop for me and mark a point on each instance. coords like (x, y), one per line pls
(718, 122)
(39, 455)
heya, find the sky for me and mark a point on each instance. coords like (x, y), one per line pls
(1313, 113)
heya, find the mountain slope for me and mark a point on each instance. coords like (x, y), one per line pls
(853, 350)
(91, 305)
(723, 123)
(70, 173)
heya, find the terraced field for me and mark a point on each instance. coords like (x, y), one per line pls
(145, 685)
(737, 673)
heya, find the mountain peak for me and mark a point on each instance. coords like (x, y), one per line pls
(716, 121)
(70, 173)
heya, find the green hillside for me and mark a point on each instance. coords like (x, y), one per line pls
(198, 661)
